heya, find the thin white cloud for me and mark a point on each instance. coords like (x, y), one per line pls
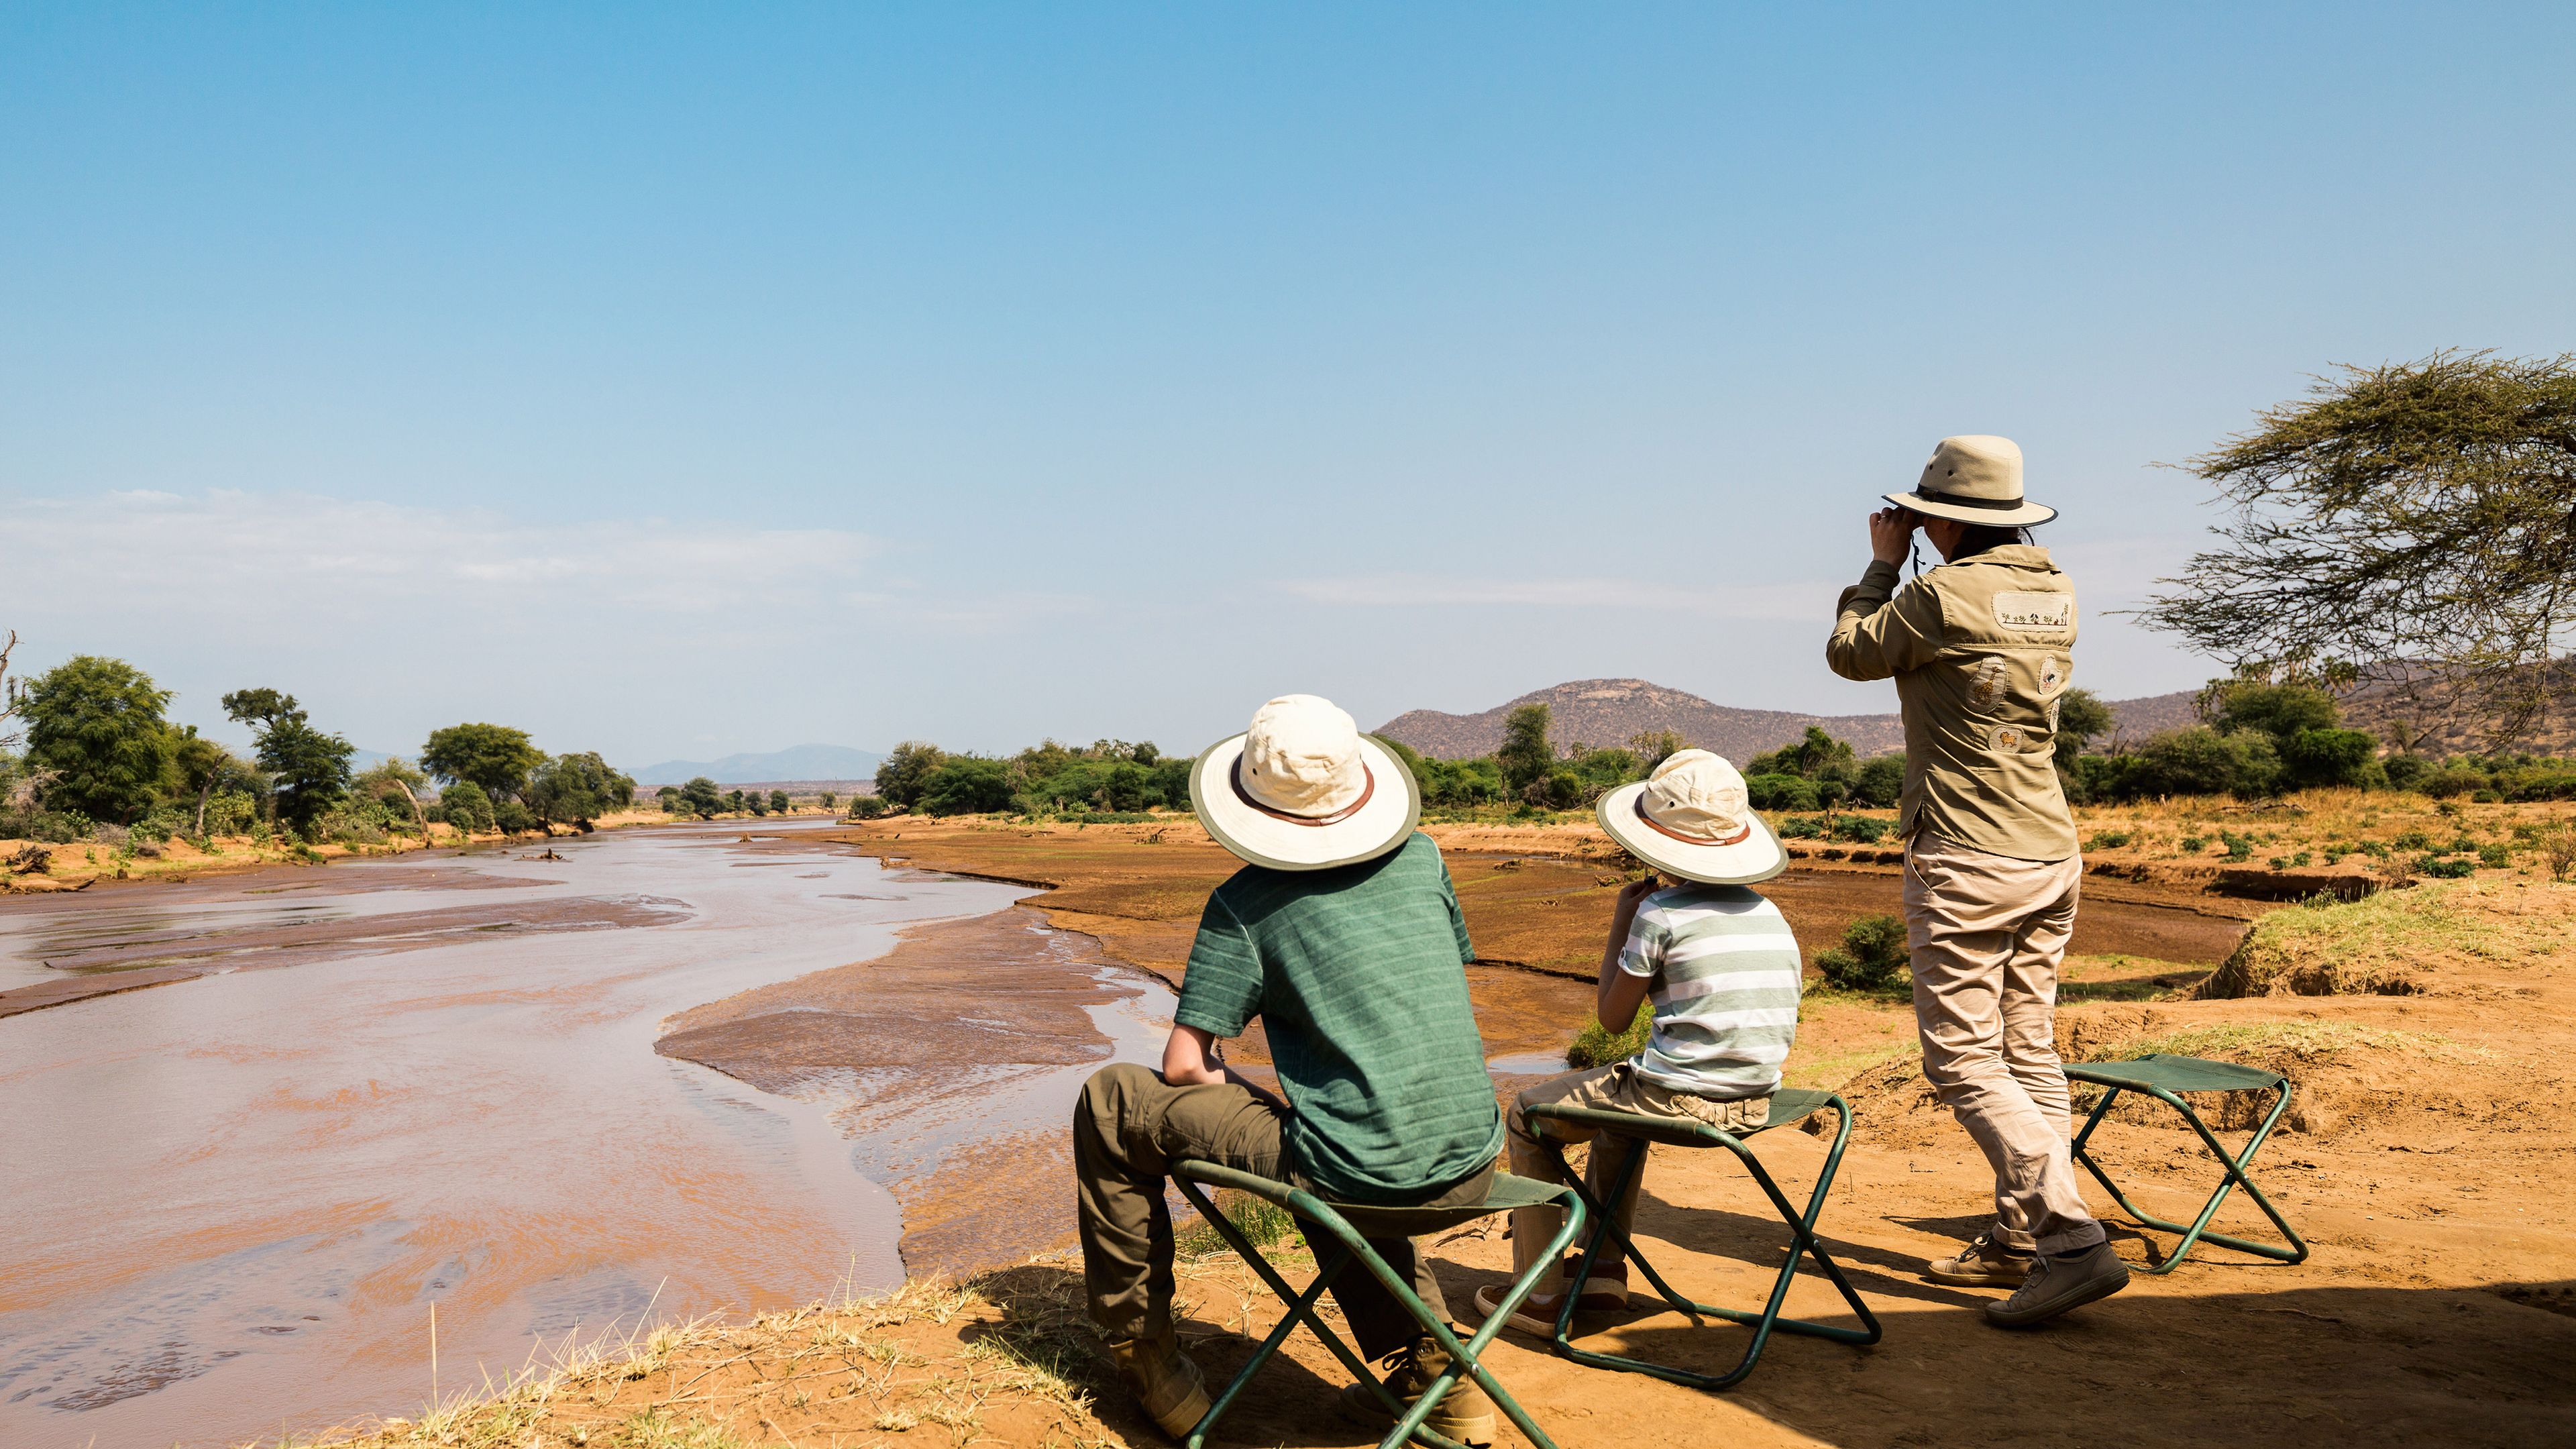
(1726, 601)
(390, 618)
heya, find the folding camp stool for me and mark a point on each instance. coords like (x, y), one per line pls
(2162, 1076)
(1788, 1105)
(1348, 1227)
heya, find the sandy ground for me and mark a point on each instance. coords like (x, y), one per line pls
(2428, 1165)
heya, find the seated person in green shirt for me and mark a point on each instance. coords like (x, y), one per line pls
(1342, 934)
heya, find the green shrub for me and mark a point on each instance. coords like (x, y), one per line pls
(513, 817)
(1802, 827)
(2405, 772)
(2453, 780)
(2239, 847)
(1780, 792)
(2450, 869)
(1598, 1046)
(1872, 956)
(1863, 829)
(866, 807)
(2194, 844)
(2108, 840)
(2495, 857)
(2411, 840)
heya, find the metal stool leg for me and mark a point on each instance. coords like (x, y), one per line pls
(2233, 1165)
(1803, 1243)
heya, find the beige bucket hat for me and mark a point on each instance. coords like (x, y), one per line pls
(1692, 819)
(1303, 789)
(1974, 478)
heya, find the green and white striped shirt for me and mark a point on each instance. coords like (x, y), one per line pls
(1724, 968)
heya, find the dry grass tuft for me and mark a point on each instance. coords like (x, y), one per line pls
(1006, 1355)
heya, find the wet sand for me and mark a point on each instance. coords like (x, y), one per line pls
(233, 1199)
(952, 1063)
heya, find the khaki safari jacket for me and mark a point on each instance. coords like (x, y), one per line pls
(1980, 650)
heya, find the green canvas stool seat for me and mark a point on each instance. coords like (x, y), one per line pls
(2161, 1077)
(1788, 1105)
(1346, 1229)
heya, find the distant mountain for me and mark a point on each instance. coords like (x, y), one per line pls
(1605, 712)
(801, 762)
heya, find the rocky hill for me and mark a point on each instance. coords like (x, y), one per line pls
(1605, 712)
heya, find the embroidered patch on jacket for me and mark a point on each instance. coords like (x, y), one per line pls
(2035, 611)
(2052, 673)
(1988, 682)
(2052, 716)
(2010, 739)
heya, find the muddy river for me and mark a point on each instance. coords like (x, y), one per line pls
(231, 1201)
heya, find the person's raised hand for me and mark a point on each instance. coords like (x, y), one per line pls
(1891, 532)
(1635, 891)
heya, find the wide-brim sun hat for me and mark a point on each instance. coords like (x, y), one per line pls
(1692, 818)
(1974, 478)
(1303, 789)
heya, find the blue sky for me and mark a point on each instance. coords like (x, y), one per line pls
(696, 379)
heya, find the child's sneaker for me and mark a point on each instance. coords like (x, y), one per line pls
(1603, 1292)
(1984, 1263)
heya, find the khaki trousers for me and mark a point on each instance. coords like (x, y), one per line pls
(1129, 1127)
(1614, 1088)
(1987, 933)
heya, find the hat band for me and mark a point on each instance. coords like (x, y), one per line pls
(1368, 787)
(1738, 838)
(1962, 500)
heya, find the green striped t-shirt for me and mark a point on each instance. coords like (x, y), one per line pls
(1358, 976)
(1724, 968)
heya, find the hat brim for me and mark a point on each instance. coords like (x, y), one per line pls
(1385, 822)
(1757, 857)
(2028, 515)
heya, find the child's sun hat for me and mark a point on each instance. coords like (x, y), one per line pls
(1692, 818)
(1303, 789)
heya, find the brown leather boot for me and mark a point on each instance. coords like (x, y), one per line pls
(1166, 1382)
(1464, 1413)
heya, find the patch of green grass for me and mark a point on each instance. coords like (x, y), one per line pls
(1263, 1223)
(1598, 1046)
(2238, 1041)
(2381, 942)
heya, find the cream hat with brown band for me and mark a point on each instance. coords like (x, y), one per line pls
(1975, 478)
(1303, 789)
(1692, 819)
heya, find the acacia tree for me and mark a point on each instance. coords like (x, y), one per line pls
(905, 773)
(1526, 753)
(571, 789)
(496, 757)
(309, 768)
(97, 725)
(2411, 527)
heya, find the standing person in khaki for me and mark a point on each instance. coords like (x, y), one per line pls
(1981, 648)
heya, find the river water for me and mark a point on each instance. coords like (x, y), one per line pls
(231, 1202)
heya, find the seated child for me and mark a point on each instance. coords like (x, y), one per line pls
(1721, 967)
(1342, 933)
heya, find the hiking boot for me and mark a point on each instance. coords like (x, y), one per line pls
(1463, 1414)
(1166, 1383)
(1984, 1263)
(2058, 1282)
(1602, 1293)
